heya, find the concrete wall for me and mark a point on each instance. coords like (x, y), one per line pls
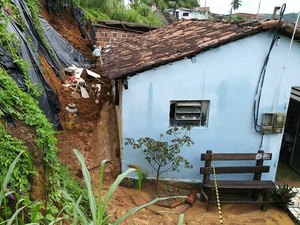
(105, 34)
(226, 76)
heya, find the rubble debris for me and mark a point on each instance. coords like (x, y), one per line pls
(69, 71)
(79, 86)
(84, 92)
(74, 70)
(170, 203)
(70, 116)
(93, 74)
(75, 95)
(188, 202)
(65, 87)
(191, 198)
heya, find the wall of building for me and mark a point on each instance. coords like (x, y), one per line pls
(227, 76)
(105, 35)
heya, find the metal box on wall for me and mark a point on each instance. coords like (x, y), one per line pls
(272, 123)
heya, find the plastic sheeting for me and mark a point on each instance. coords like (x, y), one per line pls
(63, 55)
(87, 30)
(48, 101)
(36, 39)
(8, 64)
(64, 50)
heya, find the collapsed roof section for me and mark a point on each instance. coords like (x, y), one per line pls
(174, 42)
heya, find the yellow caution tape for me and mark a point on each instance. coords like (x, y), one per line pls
(217, 193)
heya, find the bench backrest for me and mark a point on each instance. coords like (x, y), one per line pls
(257, 170)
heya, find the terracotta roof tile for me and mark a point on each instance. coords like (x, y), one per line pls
(171, 43)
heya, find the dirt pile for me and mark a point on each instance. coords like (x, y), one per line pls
(94, 134)
(65, 24)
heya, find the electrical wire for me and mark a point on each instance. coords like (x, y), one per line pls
(261, 141)
(261, 79)
(285, 63)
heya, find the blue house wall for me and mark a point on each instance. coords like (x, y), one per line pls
(226, 76)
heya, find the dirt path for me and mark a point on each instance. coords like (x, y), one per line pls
(106, 141)
(233, 214)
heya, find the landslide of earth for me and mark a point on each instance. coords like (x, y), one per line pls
(95, 136)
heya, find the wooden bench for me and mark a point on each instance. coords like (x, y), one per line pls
(254, 186)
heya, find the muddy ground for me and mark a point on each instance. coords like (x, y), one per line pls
(95, 136)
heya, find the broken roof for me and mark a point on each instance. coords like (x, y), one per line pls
(171, 43)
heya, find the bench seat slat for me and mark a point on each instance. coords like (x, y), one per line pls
(235, 169)
(236, 156)
(240, 184)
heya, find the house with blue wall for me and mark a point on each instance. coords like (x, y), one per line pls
(231, 82)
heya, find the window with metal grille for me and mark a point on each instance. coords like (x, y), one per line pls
(189, 113)
(185, 14)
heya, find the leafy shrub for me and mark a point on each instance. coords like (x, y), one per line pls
(94, 15)
(143, 9)
(282, 196)
(163, 155)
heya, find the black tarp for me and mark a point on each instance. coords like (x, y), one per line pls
(14, 71)
(36, 39)
(66, 53)
(48, 101)
(87, 29)
(63, 55)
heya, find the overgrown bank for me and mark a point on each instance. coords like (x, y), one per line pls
(139, 12)
(19, 106)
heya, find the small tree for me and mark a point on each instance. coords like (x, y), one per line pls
(235, 4)
(163, 155)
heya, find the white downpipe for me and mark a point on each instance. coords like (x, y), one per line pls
(285, 63)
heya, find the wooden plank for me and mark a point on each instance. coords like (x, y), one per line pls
(235, 169)
(236, 156)
(240, 184)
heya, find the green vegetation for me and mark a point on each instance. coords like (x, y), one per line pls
(24, 167)
(95, 215)
(190, 4)
(98, 207)
(94, 15)
(96, 10)
(33, 6)
(161, 155)
(235, 4)
(282, 196)
(140, 11)
(23, 107)
(11, 44)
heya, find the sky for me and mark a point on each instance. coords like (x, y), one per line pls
(251, 6)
